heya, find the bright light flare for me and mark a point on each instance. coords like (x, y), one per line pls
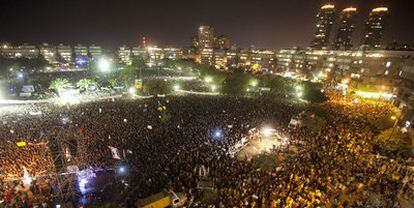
(20, 75)
(254, 83)
(218, 134)
(176, 87)
(132, 90)
(208, 79)
(267, 131)
(67, 99)
(122, 169)
(213, 87)
(375, 95)
(103, 65)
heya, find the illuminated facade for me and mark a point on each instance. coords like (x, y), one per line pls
(80, 50)
(48, 52)
(205, 37)
(65, 52)
(172, 53)
(374, 28)
(124, 55)
(336, 65)
(324, 22)
(95, 52)
(21, 51)
(207, 56)
(345, 29)
(221, 42)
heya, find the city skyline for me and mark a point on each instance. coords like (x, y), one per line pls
(270, 24)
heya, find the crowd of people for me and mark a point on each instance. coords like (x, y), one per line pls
(162, 142)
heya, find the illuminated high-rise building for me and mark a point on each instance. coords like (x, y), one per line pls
(222, 42)
(374, 28)
(205, 37)
(345, 29)
(324, 22)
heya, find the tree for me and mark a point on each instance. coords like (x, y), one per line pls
(313, 93)
(85, 84)
(130, 73)
(59, 84)
(157, 87)
(236, 84)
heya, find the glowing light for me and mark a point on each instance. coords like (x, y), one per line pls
(350, 9)
(380, 9)
(122, 169)
(375, 95)
(213, 87)
(67, 99)
(218, 134)
(20, 75)
(328, 6)
(103, 65)
(266, 131)
(132, 90)
(394, 117)
(254, 83)
(299, 94)
(176, 87)
(208, 79)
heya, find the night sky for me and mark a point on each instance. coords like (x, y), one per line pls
(264, 23)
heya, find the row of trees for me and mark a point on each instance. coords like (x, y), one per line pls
(237, 82)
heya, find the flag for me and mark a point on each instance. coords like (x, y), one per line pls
(115, 153)
(26, 176)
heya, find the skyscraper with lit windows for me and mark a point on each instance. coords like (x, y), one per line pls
(374, 28)
(345, 29)
(205, 37)
(324, 22)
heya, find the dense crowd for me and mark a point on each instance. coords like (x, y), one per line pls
(163, 142)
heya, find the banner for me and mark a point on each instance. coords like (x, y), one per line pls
(21, 144)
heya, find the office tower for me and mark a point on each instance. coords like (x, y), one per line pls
(345, 29)
(221, 42)
(324, 22)
(374, 28)
(65, 52)
(205, 37)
